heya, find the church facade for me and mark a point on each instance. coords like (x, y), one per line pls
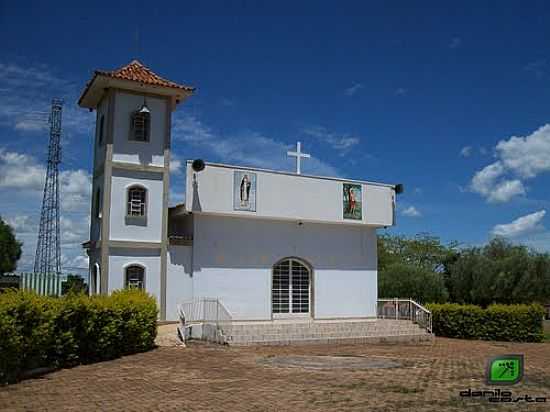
(268, 244)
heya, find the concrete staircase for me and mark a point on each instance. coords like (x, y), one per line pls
(325, 332)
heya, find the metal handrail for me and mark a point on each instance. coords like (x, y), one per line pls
(206, 310)
(405, 309)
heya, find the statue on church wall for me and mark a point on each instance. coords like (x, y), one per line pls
(244, 191)
(352, 205)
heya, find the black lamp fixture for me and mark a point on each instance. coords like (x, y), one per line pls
(198, 165)
(399, 188)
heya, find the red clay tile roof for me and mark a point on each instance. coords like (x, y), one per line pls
(136, 71)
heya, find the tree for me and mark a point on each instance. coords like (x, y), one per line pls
(74, 284)
(499, 272)
(409, 281)
(423, 250)
(10, 248)
(414, 267)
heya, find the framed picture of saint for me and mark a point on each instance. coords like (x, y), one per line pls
(353, 202)
(244, 190)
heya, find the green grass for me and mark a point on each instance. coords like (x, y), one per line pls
(546, 326)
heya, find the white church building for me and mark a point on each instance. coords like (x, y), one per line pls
(269, 245)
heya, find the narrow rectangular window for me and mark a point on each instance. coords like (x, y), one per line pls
(136, 201)
(141, 125)
(101, 127)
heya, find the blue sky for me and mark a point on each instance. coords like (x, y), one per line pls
(449, 99)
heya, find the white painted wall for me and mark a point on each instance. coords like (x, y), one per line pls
(99, 149)
(125, 150)
(286, 196)
(120, 227)
(179, 282)
(94, 259)
(120, 258)
(233, 257)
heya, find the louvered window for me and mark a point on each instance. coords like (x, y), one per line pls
(141, 125)
(135, 277)
(137, 201)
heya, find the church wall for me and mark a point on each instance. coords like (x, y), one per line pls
(287, 196)
(146, 153)
(233, 258)
(94, 258)
(123, 228)
(120, 258)
(179, 282)
(99, 149)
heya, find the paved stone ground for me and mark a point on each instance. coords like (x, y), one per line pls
(204, 377)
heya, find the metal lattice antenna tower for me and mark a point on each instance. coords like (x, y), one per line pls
(48, 248)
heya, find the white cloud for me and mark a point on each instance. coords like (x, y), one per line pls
(76, 263)
(75, 189)
(521, 226)
(505, 190)
(350, 91)
(20, 171)
(175, 164)
(518, 158)
(526, 156)
(246, 148)
(342, 143)
(466, 151)
(74, 231)
(489, 183)
(411, 211)
(21, 223)
(26, 94)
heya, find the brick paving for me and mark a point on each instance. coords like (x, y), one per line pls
(205, 377)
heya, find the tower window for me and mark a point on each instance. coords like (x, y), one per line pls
(137, 201)
(97, 205)
(101, 127)
(135, 277)
(141, 125)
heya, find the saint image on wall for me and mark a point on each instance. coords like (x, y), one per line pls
(244, 191)
(353, 204)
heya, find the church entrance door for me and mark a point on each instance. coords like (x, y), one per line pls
(291, 289)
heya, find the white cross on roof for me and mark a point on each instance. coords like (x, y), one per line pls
(298, 155)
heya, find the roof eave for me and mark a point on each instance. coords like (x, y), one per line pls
(92, 94)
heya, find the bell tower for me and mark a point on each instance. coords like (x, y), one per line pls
(131, 170)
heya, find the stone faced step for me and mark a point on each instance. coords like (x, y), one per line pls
(277, 330)
(411, 338)
(317, 335)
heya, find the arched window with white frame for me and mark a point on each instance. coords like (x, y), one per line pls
(136, 202)
(291, 288)
(134, 277)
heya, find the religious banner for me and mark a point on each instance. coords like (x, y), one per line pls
(244, 191)
(353, 204)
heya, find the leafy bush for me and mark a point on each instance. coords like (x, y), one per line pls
(517, 323)
(39, 331)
